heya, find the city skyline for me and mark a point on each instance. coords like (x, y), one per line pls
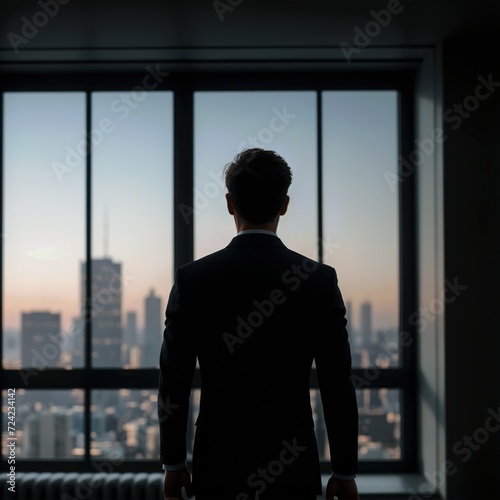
(112, 344)
(124, 424)
(135, 347)
(132, 172)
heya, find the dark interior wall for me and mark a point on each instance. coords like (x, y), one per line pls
(105, 24)
(472, 259)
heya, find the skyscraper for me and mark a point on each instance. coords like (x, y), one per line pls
(106, 302)
(348, 316)
(40, 339)
(152, 331)
(130, 335)
(130, 331)
(366, 324)
(49, 434)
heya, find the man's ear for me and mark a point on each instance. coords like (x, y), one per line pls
(230, 206)
(284, 207)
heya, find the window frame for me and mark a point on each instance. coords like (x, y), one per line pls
(184, 85)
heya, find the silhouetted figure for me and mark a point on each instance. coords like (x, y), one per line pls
(256, 315)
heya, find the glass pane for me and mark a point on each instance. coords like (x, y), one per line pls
(132, 228)
(379, 424)
(125, 424)
(44, 239)
(48, 424)
(227, 123)
(360, 214)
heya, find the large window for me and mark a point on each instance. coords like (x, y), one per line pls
(44, 227)
(106, 191)
(225, 123)
(132, 227)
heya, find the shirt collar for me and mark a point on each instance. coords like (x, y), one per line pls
(257, 231)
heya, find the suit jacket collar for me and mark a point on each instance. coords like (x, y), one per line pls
(256, 240)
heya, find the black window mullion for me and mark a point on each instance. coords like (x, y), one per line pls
(183, 175)
(87, 420)
(407, 276)
(319, 161)
(105, 378)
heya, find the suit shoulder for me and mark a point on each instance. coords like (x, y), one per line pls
(205, 262)
(323, 268)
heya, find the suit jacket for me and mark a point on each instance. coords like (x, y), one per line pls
(256, 315)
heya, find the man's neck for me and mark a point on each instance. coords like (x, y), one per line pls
(244, 226)
(264, 227)
(258, 231)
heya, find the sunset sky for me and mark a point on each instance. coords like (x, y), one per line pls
(44, 190)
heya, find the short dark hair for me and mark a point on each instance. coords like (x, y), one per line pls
(258, 182)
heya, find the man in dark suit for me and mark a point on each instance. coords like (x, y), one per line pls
(256, 314)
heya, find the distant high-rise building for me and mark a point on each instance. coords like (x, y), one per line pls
(152, 441)
(366, 324)
(40, 339)
(152, 331)
(76, 342)
(49, 434)
(130, 332)
(111, 420)
(99, 423)
(106, 301)
(130, 339)
(11, 349)
(348, 314)
(135, 357)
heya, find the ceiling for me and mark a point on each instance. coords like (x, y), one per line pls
(86, 30)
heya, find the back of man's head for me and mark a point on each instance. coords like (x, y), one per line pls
(258, 182)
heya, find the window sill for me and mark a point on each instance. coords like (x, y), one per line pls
(392, 486)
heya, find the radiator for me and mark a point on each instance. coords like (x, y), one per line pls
(86, 486)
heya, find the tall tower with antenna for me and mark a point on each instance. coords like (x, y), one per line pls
(106, 296)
